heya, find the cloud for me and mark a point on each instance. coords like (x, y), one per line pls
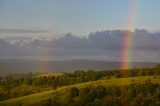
(23, 31)
(103, 45)
(110, 40)
(3, 44)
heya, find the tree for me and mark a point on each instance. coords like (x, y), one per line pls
(48, 102)
(131, 73)
(131, 92)
(158, 92)
(100, 91)
(74, 92)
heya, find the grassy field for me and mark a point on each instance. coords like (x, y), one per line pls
(49, 74)
(39, 97)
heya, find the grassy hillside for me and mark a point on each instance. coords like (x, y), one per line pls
(40, 97)
(47, 74)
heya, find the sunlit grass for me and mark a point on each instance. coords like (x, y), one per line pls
(39, 97)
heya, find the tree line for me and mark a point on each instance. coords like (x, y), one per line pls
(29, 83)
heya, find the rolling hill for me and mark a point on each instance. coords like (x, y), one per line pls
(33, 99)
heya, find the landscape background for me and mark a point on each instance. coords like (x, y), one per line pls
(99, 50)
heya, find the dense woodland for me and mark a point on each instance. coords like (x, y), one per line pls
(147, 94)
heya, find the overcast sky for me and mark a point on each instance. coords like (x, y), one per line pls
(56, 17)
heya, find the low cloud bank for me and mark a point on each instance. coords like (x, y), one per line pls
(99, 45)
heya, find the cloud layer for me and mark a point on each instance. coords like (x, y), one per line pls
(23, 31)
(100, 45)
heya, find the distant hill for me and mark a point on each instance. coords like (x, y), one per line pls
(24, 66)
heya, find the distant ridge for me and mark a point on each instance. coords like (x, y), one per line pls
(24, 66)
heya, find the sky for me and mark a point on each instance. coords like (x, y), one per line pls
(80, 17)
(102, 45)
(83, 29)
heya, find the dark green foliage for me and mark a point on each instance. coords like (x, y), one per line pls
(111, 96)
(132, 92)
(74, 92)
(50, 102)
(100, 91)
(99, 96)
(158, 91)
(136, 94)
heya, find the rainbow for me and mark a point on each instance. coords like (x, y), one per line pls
(46, 55)
(128, 38)
(127, 44)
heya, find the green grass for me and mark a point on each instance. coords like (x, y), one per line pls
(39, 97)
(47, 74)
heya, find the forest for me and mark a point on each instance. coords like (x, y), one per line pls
(133, 93)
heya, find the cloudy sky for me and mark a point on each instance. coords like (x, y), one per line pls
(79, 29)
(101, 45)
(57, 17)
